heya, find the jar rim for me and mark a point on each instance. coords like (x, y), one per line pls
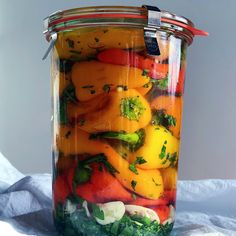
(79, 17)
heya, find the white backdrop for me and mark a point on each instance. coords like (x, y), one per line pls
(208, 144)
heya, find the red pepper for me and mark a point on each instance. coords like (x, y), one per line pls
(129, 58)
(61, 189)
(170, 195)
(180, 84)
(148, 202)
(163, 212)
(176, 82)
(102, 186)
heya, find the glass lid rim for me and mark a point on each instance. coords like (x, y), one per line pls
(117, 11)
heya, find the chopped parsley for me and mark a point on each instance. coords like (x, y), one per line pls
(81, 122)
(97, 212)
(162, 155)
(70, 43)
(106, 88)
(65, 65)
(90, 88)
(87, 86)
(138, 161)
(78, 223)
(100, 168)
(132, 108)
(153, 180)
(133, 168)
(161, 84)
(172, 159)
(145, 73)
(146, 85)
(67, 135)
(96, 40)
(159, 117)
(100, 158)
(133, 184)
(68, 95)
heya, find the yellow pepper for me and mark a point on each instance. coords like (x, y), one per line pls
(74, 110)
(160, 148)
(144, 89)
(171, 105)
(87, 41)
(125, 111)
(92, 78)
(147, 183)
(169, 176)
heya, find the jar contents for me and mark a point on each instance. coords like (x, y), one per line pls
(116, 124)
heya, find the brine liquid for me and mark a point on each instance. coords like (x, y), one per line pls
(116, 132)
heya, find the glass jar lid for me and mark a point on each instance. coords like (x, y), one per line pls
(118, 16)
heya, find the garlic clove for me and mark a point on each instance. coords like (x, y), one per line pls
(142, 211)
(113, 211)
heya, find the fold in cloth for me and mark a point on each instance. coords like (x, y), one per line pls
(204, 207)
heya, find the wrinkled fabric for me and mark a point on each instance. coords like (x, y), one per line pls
(204, 207)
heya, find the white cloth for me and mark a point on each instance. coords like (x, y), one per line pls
(204, 208)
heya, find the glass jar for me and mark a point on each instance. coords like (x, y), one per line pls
(117, 93)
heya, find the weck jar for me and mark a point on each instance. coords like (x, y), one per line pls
(117, 95)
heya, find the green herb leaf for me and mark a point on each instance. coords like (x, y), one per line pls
(110, 168)
(81, 122)
(138, 161)
(71, 43)
(173, 159)
(65, 65)
(133, 184)
(67, 135)
(82, 174)
(115, 228)
(87, 86)
(146, 85)
(97, 212)
(145, 73)
(159, 117)
(161, 84)
(162, 155)
(133, 168)
(63, 112)
(106, 88)
(68, 95)
(96, 40)
(78, 223)
(153, 180)
(132, 108)
(100, 158)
